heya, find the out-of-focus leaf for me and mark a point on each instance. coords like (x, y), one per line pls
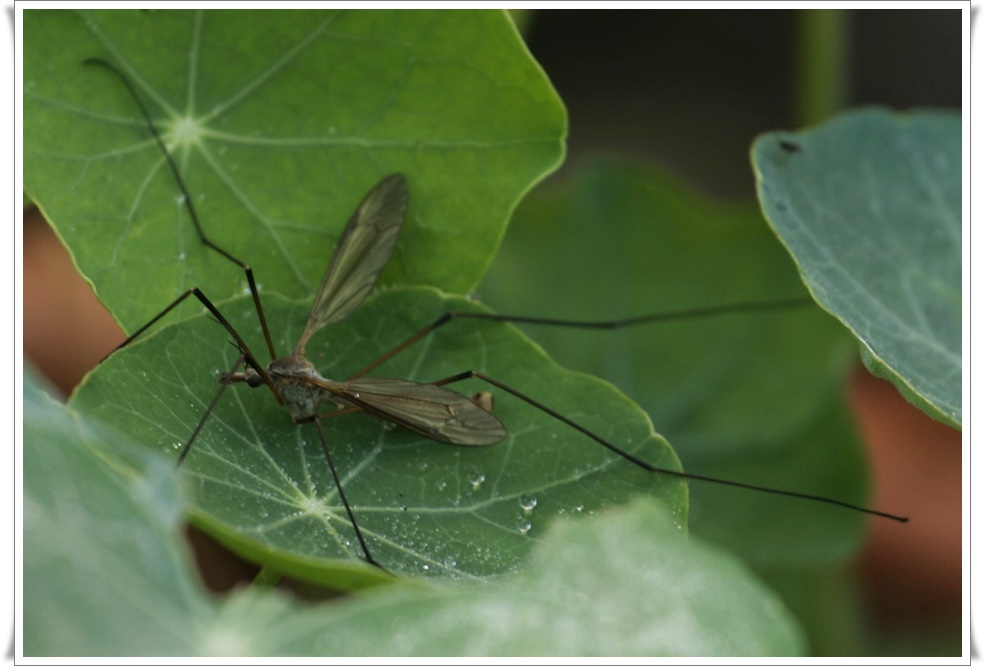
(754, 397)
(104, 569)
(869, 205)
(625, 582)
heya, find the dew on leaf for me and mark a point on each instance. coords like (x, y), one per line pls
(523, 525)
(476, 478)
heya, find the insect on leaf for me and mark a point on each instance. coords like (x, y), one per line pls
(260, 483)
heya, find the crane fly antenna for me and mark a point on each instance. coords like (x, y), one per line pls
(186, 197)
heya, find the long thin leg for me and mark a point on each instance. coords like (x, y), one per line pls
(191, 211)
(153, 321)
(208, 410)
(647, 466)
(345, 502)
(249, 358)
(321, 435)
(696, 313)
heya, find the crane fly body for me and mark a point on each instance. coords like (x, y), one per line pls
(363, 250)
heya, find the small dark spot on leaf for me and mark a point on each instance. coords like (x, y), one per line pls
(790, 146)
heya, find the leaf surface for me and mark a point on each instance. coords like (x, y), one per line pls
(260, 483)
(106, 574)
(280, 122)
(754, 397)
(870, 208)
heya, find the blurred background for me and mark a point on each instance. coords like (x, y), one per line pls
(689, 90)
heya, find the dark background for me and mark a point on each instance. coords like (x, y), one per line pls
(690, 88)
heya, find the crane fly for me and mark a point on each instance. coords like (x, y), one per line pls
(428, 409)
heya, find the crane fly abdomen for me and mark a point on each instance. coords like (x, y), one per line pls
(427, 409)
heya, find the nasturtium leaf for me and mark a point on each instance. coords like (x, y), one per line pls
(106, 574)
(869, 206)
(260, 483)
(627, 582)
(280, 122)
(754, 397)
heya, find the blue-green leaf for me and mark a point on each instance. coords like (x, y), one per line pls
(869, 205)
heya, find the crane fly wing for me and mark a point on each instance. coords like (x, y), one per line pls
(363, 250)
(433, 411)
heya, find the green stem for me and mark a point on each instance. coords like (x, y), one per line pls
(822, 63)
(268, 577)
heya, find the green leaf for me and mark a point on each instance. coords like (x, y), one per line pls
(106, 574)
(870, 208)
(260, 483)
(830, 604)
(104, 569)
(754, 397)
(626, 582)
(280, 123)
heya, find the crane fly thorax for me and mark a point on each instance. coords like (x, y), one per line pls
(291, 377)
(293, 366)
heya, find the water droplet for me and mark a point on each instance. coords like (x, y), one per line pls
(580, 508)
(523, 526)
(426, 567)
(441, 485)
(389, 426)
(449, 562)
(528, 502)
(476, 478)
